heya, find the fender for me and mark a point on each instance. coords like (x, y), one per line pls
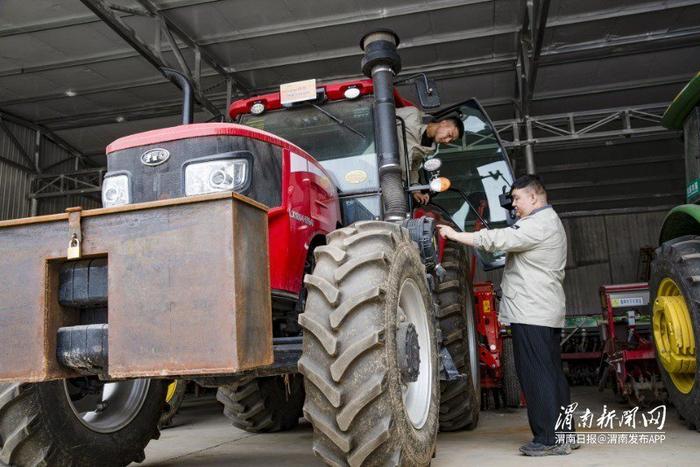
(681, 220)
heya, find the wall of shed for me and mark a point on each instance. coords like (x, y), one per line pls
(16, 183)
(603, 249)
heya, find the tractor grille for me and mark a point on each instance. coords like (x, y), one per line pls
(166, 180)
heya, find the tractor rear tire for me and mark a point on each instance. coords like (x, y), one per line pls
(369, 355)
(39, 425)
(674, 273)
(265, 404)
(460, 400)
(511, 385)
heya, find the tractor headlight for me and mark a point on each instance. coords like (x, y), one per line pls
(115, 191)
(218, 175)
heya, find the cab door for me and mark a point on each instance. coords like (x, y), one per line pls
(480, 171)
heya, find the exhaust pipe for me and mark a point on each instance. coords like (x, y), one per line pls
(187, 95)
(381, 62)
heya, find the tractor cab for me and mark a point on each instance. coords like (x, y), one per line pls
(336, 127)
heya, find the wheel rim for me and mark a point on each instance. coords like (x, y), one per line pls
(673, 334)
(172, 387)
(417, 395)
(471, 341)
(109, 407)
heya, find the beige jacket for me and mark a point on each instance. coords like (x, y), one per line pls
(413, 121)
(532, 285)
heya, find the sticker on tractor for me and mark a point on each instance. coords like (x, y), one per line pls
(627, 301)
(356, 176)
(297, 91)
(693, 189)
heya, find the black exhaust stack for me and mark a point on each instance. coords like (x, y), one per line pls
(187, 95)
(381, 62)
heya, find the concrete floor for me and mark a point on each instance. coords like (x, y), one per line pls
(203, 437)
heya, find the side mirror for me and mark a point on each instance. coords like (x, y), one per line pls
(427, 92)
(505, 200)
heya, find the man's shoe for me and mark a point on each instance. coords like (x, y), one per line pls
(529, 446)
(538, 450)
(574, 446)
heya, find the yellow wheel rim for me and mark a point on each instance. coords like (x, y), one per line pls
(171, 391)
(673, 334)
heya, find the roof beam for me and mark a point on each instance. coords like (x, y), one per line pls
(529, 47)
(103, 11)
(78, 20)
(192, 44)
(648, 8)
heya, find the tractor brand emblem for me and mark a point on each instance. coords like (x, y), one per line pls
(155, 157)
(356, 176)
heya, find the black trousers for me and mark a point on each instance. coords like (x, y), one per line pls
(538, 365)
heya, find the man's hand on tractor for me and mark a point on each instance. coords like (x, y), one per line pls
(449, 233)
(421, 198)
(446, 231)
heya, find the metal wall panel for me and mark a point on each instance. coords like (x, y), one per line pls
(626, 235)
(15, 182)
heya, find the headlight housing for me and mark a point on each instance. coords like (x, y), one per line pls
(116, 191)
(217, 175)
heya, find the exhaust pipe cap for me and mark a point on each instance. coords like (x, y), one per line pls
(380, 49)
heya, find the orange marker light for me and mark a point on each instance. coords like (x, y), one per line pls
(440, 184)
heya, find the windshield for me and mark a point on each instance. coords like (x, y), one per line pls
(348, 156)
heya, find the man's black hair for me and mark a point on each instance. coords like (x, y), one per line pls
(532, 181)
(457, 123)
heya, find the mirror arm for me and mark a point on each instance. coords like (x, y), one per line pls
(476, 212)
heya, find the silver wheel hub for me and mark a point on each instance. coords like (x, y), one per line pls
(414, 345)
(408, 351)
(106, 407)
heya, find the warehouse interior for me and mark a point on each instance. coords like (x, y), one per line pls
(576, 91)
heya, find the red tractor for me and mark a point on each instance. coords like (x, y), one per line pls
(364, 324)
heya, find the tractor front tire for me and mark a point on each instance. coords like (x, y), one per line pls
(369, 356)
(40, 424)
(265, 404)
(460, 400)
(675, 294)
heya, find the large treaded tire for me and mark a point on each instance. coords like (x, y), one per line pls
(352, 378)
(38, 427)
(460, 400)
(679, 259)
(511, 385)
(265, 404)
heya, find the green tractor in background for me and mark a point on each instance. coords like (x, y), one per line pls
(675, 272)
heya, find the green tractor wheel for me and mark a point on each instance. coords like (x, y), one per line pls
(174, 395)
(675, 289)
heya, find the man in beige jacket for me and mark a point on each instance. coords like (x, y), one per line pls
(422, 140)
(534, 305)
